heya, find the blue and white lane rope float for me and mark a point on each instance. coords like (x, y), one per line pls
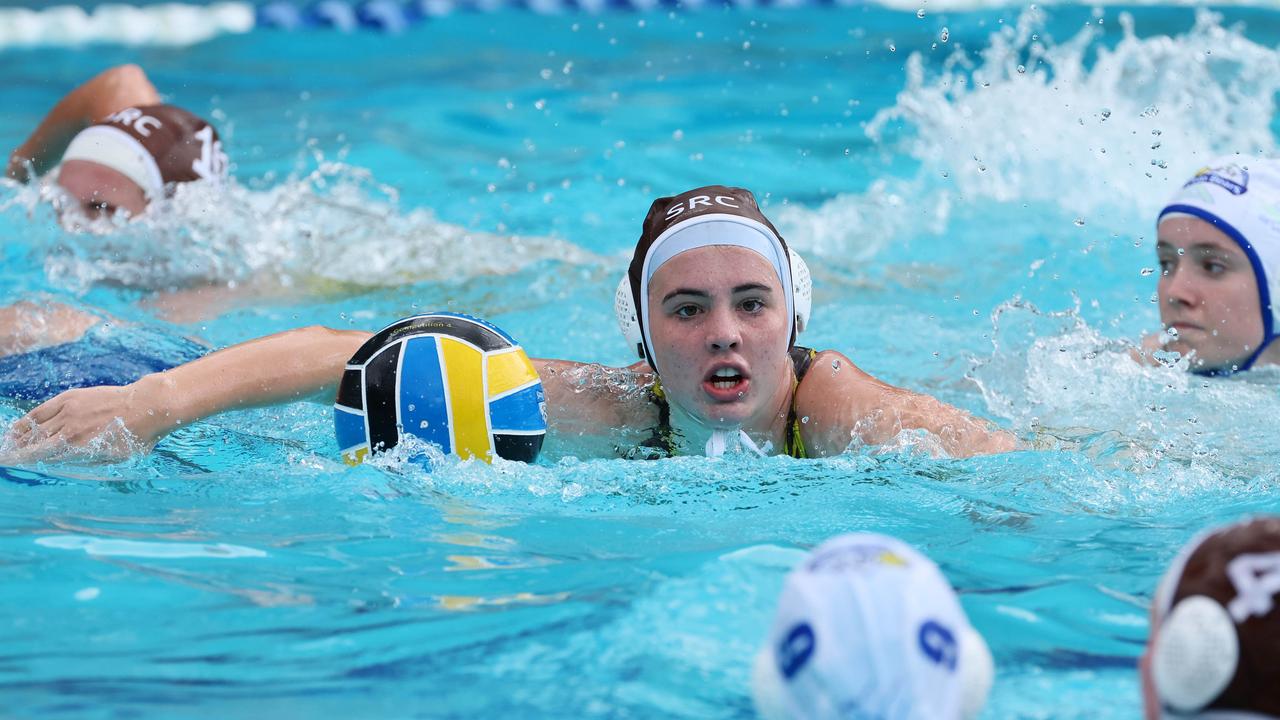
(176, 24)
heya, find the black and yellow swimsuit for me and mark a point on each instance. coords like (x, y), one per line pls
(663, 441)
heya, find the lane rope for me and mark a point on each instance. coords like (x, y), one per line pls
(177, 24)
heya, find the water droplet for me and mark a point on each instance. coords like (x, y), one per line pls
(805, 420)
(412, 407)
(1159, 163)
(893, 48)
(945, 35)
(1079, 222)
(920, 13)
(1021, 69)
(1155, 145)
(545, 73)
(1106, 113)
(422, 425)
(835, 365)
(1147, 272)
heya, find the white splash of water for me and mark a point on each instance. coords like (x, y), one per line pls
(1061, 383)
(1073, 125)
(335, 227)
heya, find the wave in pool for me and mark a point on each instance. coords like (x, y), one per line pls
(1091, 130)
(333, 229)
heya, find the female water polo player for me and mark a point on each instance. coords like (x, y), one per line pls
(1219, 250)
(116, 148)
(718, 318)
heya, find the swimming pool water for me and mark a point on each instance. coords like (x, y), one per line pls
(977, 212)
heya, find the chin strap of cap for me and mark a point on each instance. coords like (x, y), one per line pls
(1246, 365)
(719, 442)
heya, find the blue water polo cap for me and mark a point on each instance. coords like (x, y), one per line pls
(457, 382)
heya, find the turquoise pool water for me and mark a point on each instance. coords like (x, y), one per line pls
(977, 211)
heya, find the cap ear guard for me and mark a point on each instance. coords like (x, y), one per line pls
(977, 673)
(628, 321)
(624, 307)
(802, 287)
(766, 687)
(1195, 654)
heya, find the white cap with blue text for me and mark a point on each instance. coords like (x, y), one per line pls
(1240, 196)
(867, 627)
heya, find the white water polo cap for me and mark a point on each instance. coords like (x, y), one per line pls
(1215, 652)
(153, 146)
(1241, 198)
(867, 627)
(702, 217)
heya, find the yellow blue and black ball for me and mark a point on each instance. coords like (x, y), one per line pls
(452, 380)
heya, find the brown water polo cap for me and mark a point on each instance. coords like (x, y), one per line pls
(154, 146)
(710, 215)
(1236, 569)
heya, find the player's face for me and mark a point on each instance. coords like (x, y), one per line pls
(99, 191)
(718, 323)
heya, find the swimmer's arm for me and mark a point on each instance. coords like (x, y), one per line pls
(847, 406)
(88, 422)
(589, 399)
(109, 91)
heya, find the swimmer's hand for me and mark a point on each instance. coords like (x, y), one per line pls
(105, 423)
(1151, 344)
(99, 423)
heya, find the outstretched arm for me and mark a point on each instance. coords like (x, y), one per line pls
(109, 91)
(112, 422)
(852, 406)
(591, 408)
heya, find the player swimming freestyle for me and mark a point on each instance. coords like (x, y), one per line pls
(117, 147)
(717, 322)
(112, 148)
(1219, 251)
